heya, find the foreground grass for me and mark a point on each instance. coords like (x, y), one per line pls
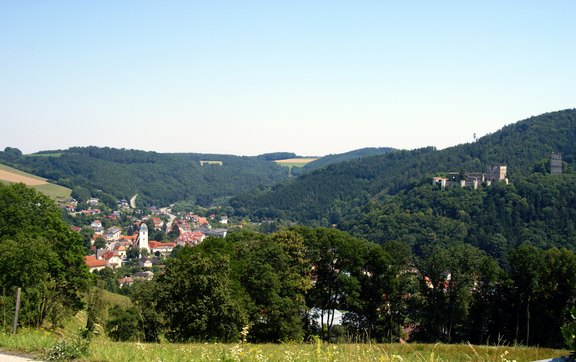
(314, 352)
(38, 343)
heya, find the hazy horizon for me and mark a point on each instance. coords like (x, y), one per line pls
(253, 77)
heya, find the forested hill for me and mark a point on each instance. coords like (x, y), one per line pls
(158, 178)
(341, 157)
(325, 196)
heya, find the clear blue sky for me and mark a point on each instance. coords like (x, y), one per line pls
(249, 77)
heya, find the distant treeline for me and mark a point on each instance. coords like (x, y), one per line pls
(275, 156)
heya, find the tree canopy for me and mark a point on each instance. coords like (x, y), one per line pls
(39, 254)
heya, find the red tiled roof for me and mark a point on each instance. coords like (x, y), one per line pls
(156, 244)
(109, 254)
(92, 262)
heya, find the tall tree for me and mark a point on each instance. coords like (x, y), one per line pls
(40, 254)
(275, 273)
(527, 264)
(197, 298)
(337, 260)
(452, 277)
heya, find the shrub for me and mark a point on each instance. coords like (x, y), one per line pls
(123, 324)
(66, 350)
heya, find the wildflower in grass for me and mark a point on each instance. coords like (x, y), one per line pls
(504, 359)
(258, 356)
(288, 356)
(318, 342)
(244, 333)
(234, 353)
(394, 357)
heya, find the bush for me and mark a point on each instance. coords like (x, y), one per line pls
(123, 324)
(569, 331)
(66, 350)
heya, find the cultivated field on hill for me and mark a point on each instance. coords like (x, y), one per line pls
(12, 175)
(295, 162)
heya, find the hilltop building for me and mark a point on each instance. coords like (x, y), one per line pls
(497, 173)
(472, 179)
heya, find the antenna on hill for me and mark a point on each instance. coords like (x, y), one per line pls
(475, 138)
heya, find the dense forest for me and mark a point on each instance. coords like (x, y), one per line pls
(162, 178)
(323, 196)
(158, 179)
(540, 210)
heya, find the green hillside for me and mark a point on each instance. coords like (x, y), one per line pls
(158, 179)
(325, 196)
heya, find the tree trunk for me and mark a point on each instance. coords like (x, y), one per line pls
(517, 324)
(528, 322)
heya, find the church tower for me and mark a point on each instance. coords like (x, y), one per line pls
(143, 237)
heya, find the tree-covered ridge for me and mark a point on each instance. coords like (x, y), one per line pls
(539, 211)
(275, 156)
(325, 196)
(157, 178)
(341, 157)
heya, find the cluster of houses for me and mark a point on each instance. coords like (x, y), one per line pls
(192, 230)
(71, 205)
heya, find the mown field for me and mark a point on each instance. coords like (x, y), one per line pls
(12, 175)
(295, 162)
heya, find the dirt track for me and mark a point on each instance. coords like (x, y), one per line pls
(14, 177)
(7, 357)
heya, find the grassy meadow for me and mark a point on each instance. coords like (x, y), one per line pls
(37, 343)
(56, 192)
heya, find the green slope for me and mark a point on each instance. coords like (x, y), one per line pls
(323, 196)
(158, 179)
